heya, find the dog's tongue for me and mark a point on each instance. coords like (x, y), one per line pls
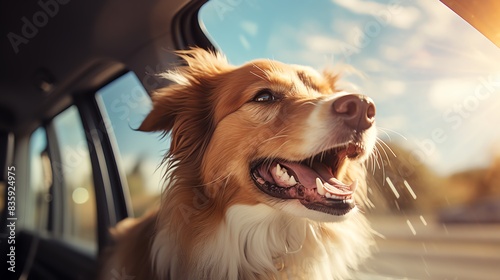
(307, 177)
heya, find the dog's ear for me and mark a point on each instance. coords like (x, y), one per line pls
(189, 82)
(162, 116)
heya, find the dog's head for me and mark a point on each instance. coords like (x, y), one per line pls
(265, 132)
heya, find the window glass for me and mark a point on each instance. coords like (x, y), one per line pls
(125, 103)
(434, 78)
(436, 83)
(75, 169)
(38, 198)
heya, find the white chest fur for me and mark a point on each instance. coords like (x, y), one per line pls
(256, 241)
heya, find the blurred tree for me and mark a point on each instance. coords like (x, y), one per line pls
(432, 191)
(418, 187)
(142, 200)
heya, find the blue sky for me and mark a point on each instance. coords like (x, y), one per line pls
(126, 103)
(419, 61)
(422, 64)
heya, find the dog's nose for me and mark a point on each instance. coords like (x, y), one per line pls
(357, 111)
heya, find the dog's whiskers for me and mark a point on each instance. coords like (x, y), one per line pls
(263, 72)
(385, 153)
(217, 180)
(311, 160)
(381, 164)
(378, 158)
(385, 130)
(387, 146)
(373, 160)
(277, 151)
(274, 138)
(222, 184)
(257, 75)
(322, 156)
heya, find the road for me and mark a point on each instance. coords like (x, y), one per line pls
(420, 248)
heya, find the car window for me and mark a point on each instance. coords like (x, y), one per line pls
(75, 175)
(37, 199)
(436, 92)
(436, 83)
(124, 104)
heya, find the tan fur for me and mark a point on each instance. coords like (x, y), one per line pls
(216, 131)
(117, 258)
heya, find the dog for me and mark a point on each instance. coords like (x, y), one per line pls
(265, 176)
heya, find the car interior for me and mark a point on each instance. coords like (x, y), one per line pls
(66, 51)
(75, 83)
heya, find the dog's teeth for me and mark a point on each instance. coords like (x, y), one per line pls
(319, 187)
(279, 172)
(328, 195)
(292, 181)
(329, 188)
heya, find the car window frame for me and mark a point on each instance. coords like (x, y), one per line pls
(111, 189)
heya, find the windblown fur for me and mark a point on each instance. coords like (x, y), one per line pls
(213, 222)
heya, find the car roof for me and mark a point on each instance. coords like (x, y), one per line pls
(54, 48)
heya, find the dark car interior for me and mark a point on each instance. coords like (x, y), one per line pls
(56, 54)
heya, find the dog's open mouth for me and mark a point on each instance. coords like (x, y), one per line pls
(313, 181)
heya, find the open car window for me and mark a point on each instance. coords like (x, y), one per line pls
(124, 103)
(436, 82)
(434, 78)
(74, 175)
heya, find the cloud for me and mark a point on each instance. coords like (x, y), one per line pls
(305, 44)
(394, 122)
(439, 20)
(323, 44)
(251, 28)
(244, 42)
(396, 15)
(374, 64)
(406, 18)
(393, 87)
(360, 6)
(444, 94)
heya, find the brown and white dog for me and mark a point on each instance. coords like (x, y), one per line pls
(265, 176)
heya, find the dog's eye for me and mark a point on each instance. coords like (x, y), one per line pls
(264, 95)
